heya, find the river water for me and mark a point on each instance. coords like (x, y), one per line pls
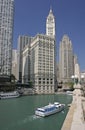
(18, 113)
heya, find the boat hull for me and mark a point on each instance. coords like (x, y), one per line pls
(44, 114)
(9, 95)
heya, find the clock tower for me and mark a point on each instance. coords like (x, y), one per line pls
(50, 24)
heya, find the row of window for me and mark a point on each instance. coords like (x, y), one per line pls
(45, 82)
(44, 79)
(42, 64)
(45, 87)
(45, 39)
(45, 69)
(45, 49)
(46, 61)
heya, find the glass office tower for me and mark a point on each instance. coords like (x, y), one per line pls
(6, 35)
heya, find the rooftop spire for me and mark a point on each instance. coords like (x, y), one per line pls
(50, 9)
(50, 23)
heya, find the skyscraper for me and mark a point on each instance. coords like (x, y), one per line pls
(14, 63)
(42, 66)
(66, 64)
(43, 74)
(51, 31)
(76, 68)
(37, 58)
(6, 35)
(50, 24)
(26, 62)
(23, 42)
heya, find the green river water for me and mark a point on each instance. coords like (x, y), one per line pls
(18, 113)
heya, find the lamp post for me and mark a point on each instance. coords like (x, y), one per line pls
(74, 78)
(82, 79)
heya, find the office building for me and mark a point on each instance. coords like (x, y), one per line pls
(14, 63)
(23, 41)
(66, 59)
(77, 71)
(37, 59)
(43, 59)
(42, 67)
(26, 64)
(82, 74)
(6, 35)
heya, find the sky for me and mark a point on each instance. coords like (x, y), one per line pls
(30, 19)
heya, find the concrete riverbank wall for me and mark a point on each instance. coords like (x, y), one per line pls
(75, 119)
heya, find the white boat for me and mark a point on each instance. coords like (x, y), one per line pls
(49, 109)
(59, 106)
(69, 92)
(6, 95)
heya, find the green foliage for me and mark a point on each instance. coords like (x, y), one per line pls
(70, 85)
(12, 78)
(8, 87)
(30, 84)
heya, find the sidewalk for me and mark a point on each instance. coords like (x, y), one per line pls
(69, 118)
(75, 117)
(78, 122)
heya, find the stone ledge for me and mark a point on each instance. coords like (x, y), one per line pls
(69, 118)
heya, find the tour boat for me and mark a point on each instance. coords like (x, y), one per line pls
(6, 95)
(49, 109)
(59, 106)
(69, 92)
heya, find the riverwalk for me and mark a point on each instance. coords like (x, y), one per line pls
(75, 119)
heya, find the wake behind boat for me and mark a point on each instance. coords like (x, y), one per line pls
(6, 95)
(49, 109)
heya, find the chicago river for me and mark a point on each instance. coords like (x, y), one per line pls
(18, 113)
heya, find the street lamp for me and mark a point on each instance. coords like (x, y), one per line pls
(82, 79)
(74, 78)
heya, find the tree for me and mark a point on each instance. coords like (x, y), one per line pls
(30, 84)
(12, 78)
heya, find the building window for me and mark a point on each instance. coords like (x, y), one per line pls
(47, 82)
(47, 87)
(43, 82)
(39, 82)
(39, 87)
(51, 87)
(43, 87)
(51, 82)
